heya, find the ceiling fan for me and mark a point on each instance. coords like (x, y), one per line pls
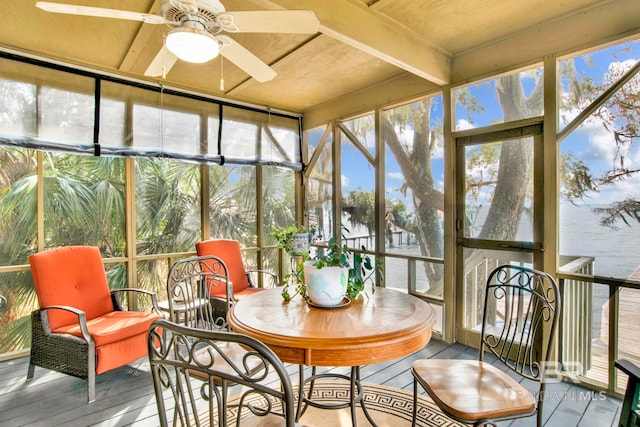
(196, 31)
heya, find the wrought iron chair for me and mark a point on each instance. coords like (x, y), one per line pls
(241, 278)
(192, 369)
(3, 304)
(190, 283)
(521, 307)
(630, 413)
(81, 328)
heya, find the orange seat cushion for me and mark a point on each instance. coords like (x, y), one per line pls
(247, 291)
(113, 327)
(229, 252)
(72, 276)
(121, 353)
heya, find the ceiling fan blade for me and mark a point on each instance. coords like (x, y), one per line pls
(161, 64)
(100, 12)
(276, 21)
(248, 62)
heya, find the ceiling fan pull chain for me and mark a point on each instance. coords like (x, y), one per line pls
(164, 56)
(221, 74)
(161, 117)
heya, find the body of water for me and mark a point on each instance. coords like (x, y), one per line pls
(616, 252)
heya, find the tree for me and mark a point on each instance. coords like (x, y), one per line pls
(620, 117)
(415, 162)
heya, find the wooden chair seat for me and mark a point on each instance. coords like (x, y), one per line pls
(473, 390)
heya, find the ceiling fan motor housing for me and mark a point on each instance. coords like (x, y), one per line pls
(184, 13)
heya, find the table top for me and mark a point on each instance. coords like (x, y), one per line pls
(373, 328)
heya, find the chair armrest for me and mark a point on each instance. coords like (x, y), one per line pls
(152, 295)
(629, 368)
(273, 276)
(82, 319)
(629, 414)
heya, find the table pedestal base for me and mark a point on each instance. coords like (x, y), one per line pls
(356, 393)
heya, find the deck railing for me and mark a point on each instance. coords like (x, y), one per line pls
(576, 331)
(613, 305)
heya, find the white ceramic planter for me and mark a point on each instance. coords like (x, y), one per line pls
(301, 243)
(326, 286)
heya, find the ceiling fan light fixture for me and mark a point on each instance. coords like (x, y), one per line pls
(192, 45)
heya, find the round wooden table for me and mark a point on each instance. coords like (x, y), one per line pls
(373, 328)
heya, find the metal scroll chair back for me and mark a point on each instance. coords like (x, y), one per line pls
(188, 289)
(521, 313)
(191, 369)
(521, 306)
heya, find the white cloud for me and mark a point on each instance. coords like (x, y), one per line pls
(396, 175)
(464, 124)
(601, 143)
(438, 152)
(629, 188)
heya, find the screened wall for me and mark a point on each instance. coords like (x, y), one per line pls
(141, 172)
(391, 176)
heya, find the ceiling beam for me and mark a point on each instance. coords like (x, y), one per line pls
(140, 42)
(604, 23)
(364, 28)
(398, 90)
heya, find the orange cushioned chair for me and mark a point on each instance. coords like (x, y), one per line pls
(81, 328)
(242, 284)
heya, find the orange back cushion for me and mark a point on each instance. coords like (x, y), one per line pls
(229, 252)
(73, 276)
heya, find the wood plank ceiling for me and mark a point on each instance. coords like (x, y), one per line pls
(395, 49)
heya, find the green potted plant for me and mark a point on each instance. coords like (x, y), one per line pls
(296, 242)
(335, 265)
(347, 273)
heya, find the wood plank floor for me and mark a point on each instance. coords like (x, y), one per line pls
(125, 396)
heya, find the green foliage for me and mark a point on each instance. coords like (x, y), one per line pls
(334, 256)
(628, 209)
(84, 203)
(284, 238)
(361, 269)
(284, 235)
(360, 205)
(295, 279)
(466, 99)
(575, 178)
